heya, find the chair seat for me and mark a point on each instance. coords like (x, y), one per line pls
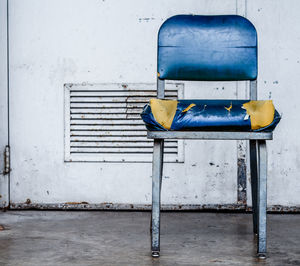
(210, 135)
(210, 115)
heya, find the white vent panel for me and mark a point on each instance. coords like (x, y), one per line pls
(103, 123)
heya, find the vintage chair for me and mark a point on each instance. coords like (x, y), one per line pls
(210, 48)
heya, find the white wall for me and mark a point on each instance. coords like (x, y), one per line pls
(53, 42)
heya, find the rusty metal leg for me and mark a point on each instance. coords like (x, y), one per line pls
(254, 173)
(157, 168)
(262, 199)
(241, 173)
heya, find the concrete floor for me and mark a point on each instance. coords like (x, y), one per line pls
(122, 238)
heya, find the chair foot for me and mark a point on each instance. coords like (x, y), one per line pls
(155, 254)
(261, 256)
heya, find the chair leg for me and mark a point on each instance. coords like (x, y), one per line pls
(157, 168)
(262, 199)
(254, 173)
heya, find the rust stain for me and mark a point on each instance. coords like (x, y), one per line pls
(228, 108)
(28, 201)
(186, 207)
(76, 203)
(2, 227)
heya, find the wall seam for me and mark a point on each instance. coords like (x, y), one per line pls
(8, 90)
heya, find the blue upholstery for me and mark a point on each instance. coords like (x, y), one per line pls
(208, 115)
(207, 48)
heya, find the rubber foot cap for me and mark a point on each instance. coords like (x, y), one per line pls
(155, 254)
(262, 256)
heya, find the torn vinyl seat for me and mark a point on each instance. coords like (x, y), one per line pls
(210, 115)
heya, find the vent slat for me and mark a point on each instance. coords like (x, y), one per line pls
(108, 133)
(108, 127)
(119, 152)
(108, 111)
(105, 116)
(135, 93)
(117, 87)
(119, 149)
(120, 110)
(107, 105)
(78, 144)
(107, 138)
(107, 122)
(101, 99)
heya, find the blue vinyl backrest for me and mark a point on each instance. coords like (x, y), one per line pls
(207, 48)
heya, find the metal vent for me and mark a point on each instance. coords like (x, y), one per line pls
(103, 123)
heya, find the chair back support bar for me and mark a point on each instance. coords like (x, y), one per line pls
(204, 48)
(253, 90)
(160, 88)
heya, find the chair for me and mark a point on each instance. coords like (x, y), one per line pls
(210, 48)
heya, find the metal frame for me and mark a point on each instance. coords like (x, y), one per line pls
(209, 135)
(258, 168)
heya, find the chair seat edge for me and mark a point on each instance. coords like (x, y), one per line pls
(210, 135)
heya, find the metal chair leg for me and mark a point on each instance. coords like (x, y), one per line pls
(157, 168)
(254, 173)
(262, 199)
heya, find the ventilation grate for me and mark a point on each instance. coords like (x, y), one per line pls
(103, 123)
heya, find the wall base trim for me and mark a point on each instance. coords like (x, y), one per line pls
(146, 207)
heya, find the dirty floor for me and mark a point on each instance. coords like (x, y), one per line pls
(122, 238)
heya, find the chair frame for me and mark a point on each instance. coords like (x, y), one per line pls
(258, 169)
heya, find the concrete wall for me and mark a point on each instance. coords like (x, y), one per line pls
(53, 42)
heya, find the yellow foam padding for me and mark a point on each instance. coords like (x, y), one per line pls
(261, 113)
(228, 108)
(189, 107)
(163, 111)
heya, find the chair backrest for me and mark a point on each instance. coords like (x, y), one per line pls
(204, 48)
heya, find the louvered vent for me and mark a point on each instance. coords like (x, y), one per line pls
(103, 123)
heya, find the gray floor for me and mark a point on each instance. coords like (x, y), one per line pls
(122, 238)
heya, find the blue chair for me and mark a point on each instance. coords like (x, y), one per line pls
(210, 48)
